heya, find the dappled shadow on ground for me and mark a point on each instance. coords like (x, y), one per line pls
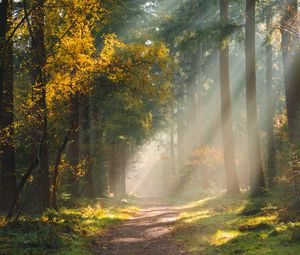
(150, 233)
(70, 231)
(240, 225)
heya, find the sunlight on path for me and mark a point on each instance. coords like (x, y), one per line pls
(150, 233)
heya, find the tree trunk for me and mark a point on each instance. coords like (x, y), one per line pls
(3, 31)
(228, 144)
(74, 152)
(98, 158)
(255, 163)
(123, 163)
(61, 149)
(113, 169)
(288, 45)
(199, 96)
(291, 64)
(40, 191)
(8, 171)
(89, 177)
(270, 103)
(172, 149)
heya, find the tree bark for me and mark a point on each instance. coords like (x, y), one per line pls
(61, 149)
(270, 103)
(40, 191)
(89, 176)
(113, 169)
(8, 171)
(288, 45)
(123, 163)
(98, 158)
(291, 65)
(74, 151)
(172, 147)
(3, 31)
(255, 163)
(227, 132)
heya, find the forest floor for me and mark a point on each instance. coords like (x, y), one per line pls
(212, 225)
(149, 233)
(226, 225)
(71, 231)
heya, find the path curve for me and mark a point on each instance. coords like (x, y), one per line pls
(149, 233)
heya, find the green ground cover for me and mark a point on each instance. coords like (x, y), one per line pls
(71, 231)
(240, 225)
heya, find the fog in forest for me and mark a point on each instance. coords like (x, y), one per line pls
(132, 125)
(167, 164)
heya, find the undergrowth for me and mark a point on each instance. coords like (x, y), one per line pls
(240, 225)
(71, 231)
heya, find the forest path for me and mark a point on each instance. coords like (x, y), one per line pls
(149, 233)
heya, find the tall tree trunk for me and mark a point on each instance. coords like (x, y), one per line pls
(98, 159)
(40, 192)
(113, 173)
(198, 94)
(172, 144)
(74, 152)
(255, 163)
(291, 65)
(89, 177)
(228, 144)
(8, 171)
(270, 103)
(3, 31)
(59, 155)
(191, 94)
(123, 163)
(288, 44)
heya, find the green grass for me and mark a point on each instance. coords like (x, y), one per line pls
(72, 231)
(239, 225)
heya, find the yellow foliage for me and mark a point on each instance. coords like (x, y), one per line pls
(144, 68)
(72, 60)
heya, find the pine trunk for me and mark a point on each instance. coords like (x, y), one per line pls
(8, 171)
(89, 177)
(3, 31)
(270, 104)
(255, 163)
(291, 65)
(123, 163)
(74, 151)
(40, 191)
(98, 158)
(113, 174)
(227, 132)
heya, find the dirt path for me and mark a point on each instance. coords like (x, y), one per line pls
(149, 233)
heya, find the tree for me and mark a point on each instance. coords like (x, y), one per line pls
(270, 101)
(40, 191)
(291, 64)
(228, 144)
(8, 171)
(255, 163)
(4, 5)
(288, 45)
(74, 148)
(86, 129)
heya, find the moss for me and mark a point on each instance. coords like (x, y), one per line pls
(240, 225)
(72, 231)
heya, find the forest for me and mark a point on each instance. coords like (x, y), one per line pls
(149, 127)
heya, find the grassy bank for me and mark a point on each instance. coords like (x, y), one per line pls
(240, 225)
(72, 231)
